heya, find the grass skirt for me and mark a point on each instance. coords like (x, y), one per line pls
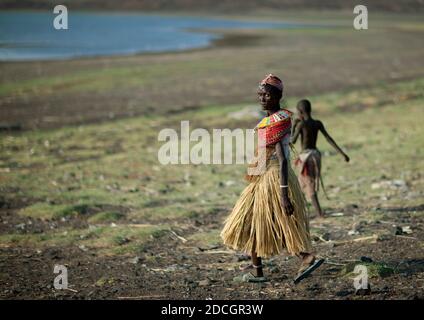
(258, 223)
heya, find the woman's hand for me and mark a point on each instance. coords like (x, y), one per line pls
(286, 203)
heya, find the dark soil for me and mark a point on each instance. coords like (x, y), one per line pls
(167, 268)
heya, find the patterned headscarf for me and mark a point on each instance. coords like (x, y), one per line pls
(273, 81)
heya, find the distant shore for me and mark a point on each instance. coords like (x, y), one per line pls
(51, 94)
(212, 33)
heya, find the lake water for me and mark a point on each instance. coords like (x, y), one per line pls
(31, 35)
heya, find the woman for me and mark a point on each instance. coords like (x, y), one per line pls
(270, 214)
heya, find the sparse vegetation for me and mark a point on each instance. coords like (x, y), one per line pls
(94, 196)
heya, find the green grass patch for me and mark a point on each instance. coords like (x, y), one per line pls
(374, 269)
(103, 217)
(46, 211)
(120, 239)
(205, 239)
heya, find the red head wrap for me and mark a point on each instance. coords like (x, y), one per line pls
(273, 81)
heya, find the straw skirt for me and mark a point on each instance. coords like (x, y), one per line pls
(258, 223)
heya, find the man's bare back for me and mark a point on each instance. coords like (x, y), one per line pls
(308, 130)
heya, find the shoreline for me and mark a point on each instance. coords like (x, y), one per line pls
(54, 93)
(221, 39)
(314, 19)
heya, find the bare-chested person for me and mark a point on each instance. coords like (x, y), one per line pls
(309, 160)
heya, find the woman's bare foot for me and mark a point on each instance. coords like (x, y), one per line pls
(306, 257)
(308, 265)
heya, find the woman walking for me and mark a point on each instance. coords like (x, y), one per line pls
(270, 215)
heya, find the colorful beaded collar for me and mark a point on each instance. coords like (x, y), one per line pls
(280, 115)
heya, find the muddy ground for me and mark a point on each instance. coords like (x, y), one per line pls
(169, 267)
